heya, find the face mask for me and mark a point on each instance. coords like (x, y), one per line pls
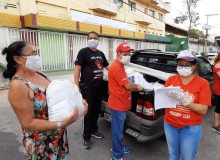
(93, 43)
(184, 72)
(125, 60)
(33, 62)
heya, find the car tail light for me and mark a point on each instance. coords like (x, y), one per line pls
(145, 109)
(139, 108)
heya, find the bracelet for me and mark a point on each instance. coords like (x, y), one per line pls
(58, 125)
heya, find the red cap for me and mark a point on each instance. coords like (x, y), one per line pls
(124, 47)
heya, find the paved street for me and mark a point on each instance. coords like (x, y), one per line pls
(11, 147)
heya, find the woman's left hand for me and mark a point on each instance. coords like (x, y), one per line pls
(85, 107)
(179, 97)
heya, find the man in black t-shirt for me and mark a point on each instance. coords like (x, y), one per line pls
(90, 63)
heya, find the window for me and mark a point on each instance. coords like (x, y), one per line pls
(171, 62)
(205, 67)
(151, 13)
(119, 3)
(5, 6)
(131, 6)
(160, 17)
(140, 59)
(153, 60)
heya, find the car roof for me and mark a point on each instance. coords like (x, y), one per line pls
(155, 51)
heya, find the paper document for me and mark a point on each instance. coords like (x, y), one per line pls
(162, 100)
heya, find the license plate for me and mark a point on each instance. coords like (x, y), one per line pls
(107, 117)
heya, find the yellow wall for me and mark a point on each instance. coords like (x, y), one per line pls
(89, 27)
(9, 20)
(46, 21)
(110, 31)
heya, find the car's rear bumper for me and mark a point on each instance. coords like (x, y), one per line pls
(151, 129)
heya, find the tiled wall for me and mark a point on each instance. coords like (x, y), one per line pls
(9, 20)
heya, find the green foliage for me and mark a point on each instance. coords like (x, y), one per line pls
(190, 14)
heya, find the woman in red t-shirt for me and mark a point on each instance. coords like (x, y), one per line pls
(216, 91)
(182, 124)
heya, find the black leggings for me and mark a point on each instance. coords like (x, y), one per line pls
(217, 109)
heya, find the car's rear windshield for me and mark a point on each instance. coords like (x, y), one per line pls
(159, 62)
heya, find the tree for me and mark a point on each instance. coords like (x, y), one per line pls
(190, 14)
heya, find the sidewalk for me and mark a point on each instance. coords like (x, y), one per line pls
(61, 75)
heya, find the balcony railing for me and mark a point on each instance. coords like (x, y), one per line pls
(161, 4)
(103, 6)
(143, 18)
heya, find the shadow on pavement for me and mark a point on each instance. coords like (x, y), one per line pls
(9, 147)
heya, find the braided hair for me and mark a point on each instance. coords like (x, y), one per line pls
(14, 49)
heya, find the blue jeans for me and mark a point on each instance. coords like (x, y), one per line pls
(182, 141)
(117, 127)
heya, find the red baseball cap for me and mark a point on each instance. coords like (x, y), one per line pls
(124, 47)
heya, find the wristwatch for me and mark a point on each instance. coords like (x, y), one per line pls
(58, 125)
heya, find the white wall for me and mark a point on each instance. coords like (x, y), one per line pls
(3, 44)
(199, 48)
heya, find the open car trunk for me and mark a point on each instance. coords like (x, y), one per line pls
(140, 97)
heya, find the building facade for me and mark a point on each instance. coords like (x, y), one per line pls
(126, 18)
(58, 28)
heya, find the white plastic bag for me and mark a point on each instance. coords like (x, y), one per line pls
(105, 76)
(62, 97)
(129, 71)
(138, 78)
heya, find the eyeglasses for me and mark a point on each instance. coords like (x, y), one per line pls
(32, 54)
(180, 66)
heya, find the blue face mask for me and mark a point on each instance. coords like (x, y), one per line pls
(93, 43)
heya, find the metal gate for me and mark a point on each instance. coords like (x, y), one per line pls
(59, 50)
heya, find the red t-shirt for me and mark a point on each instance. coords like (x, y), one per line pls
(119, 98)
(197, 91)
(216, 86)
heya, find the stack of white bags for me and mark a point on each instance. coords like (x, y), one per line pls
(139, 79)
(62, 97)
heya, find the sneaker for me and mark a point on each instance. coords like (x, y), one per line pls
(126, 150)
(113, 158)
(86, 145)
(217, 129)
(97, 135)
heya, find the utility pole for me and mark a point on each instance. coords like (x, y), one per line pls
(207, 27)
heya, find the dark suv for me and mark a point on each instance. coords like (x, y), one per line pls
(143, 122)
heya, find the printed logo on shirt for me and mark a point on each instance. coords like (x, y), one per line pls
(187, 116)
(99, 76)
(175, 114)
(97, 57)
(124, 79)
(98, 63)
(183, 109)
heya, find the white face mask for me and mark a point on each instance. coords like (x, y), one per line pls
(33, 62)
(93, 43)
(184, 72)
(125, 60)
